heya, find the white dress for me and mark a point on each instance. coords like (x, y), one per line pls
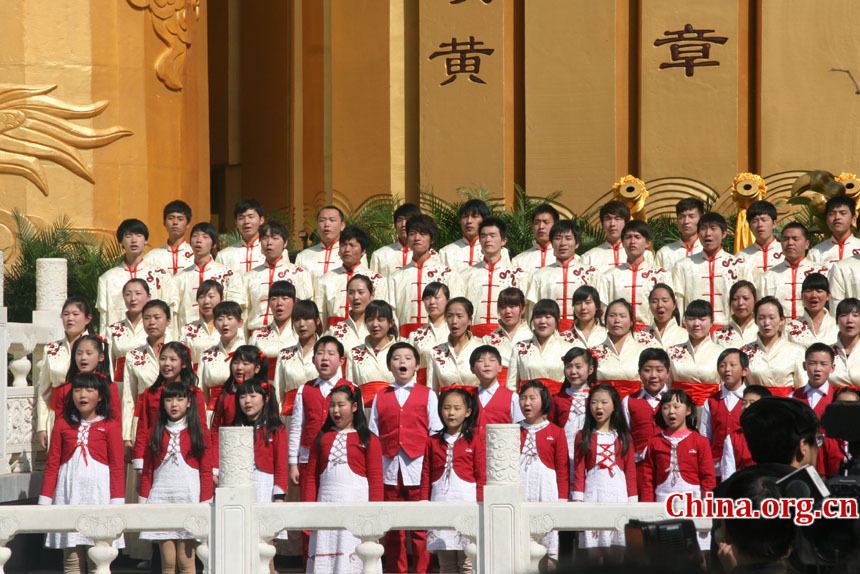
(604, 483)
(539, 481)
(81, 480)
(450, 488)
(174, 481)
(333, 551)
(675, 483)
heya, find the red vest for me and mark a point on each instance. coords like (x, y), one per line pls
(821, 405)
(743, 458)
(723, 422)
(497, 410)
(405, 427)
(642, 423)
(315, 408)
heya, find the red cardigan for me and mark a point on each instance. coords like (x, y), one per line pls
(552, 450)
(223, 416)
(271, 456)
(63, 392)
(470, 462)
(151, 402)
(151, 461)
(103, 445)
(694, 462)
(585, 461)
(363, 461)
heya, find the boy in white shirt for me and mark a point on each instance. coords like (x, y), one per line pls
(176, 254)
(688, 211)
(245, 254)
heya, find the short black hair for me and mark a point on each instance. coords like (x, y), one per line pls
(848, 306)
(740, 285)
(690, 203)
(244, 205)
(424, 224)
(326, 340)
(177, 206)
(545, 398)
(497, 222)
(840, 201)
(336, 208)
(547, 307)
(654, 354)
(815, 282)
(474, 207)
(357, 233)
(699, 308)
(273, 228)
(432, 289)
(637, 226)
(159, 304)
(819, 347)
(797, 225)
(511, 297)
(208, 229)
(712, 218)
(230, 308)
(548, 209)
(207, 286)
(742, 357)
(616, 208)
(484, 350)
(406, 211)
(760, 390)
(761, 207)
(774, 427)
(566, 226)
(467, 305)
(401, 345)
(282, 289)
(134, 226)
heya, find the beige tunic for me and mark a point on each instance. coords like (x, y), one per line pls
(199, 337)
(109, 300)
(785, 282)
(173, 259)
(446, 368)
(294, 369)
(484, 281)
(669, 255)
(673, 334)
(535, 257)
(633, 284)
(330, 291)
(607, 255)
(844, 279)
(349, 334)
(122, 337)
(708, 278)
(782, 366)
(366, 365)
(502, 340)
(214, 368)
(578, 339)
(256, 288)
(460, 255)
(182, 294)
(731, 335)
(52, 374)
(529, 361)
(241, 257)
(759, 260)
(847, 371)
(141, 370)
(831, 251)
(695, 365)
(802, 331)
(558, 282)
(407, 285)
(426, 337)
(613, 365)
(319, 259)
(271, 340)
(388, 259)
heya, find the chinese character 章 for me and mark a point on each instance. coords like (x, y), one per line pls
(464, 58)
(689, 48)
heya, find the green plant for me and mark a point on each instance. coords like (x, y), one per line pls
(376, 217)
(88, 258)
(592, 233)
(519, 219)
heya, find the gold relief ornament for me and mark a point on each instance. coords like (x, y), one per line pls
(852, 187)
(813, 189)
(174, 21)
(631, 191)
(746, 188)
(35, 127)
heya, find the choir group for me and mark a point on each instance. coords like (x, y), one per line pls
(626, 370)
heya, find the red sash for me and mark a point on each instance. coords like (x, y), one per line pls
(119, 370)
(715, 328)
(469, 388)
(333, 320)
(370, 390)
(407, 328)
(213, 396)
(780, 391)
(699, 392)
(58, 395)
(484, 329)
(289, 403)
(194, 366)
(552, 385)
(421, 376)
(565, 325)
(503, 377)
(273, 363)
(623, 386)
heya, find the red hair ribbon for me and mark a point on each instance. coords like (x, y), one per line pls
(345, 383)
(100, 338)
(266, 386)
(187, 348)
(593, 354)
(96, 373)
(261, 354)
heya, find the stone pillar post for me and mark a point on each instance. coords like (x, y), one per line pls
(233, 549)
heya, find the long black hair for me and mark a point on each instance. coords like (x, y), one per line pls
(590, 360)
(102, 368)
(248, 354)
(469, 400)
(192, 419)
(359, 420)
(683, 398)
(88, 381)
(269, 420)
(186, 375)
(617, 422)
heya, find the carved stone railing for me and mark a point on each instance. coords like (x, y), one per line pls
(21, 340)
(503, 531)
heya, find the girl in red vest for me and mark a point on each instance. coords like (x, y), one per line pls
(570, 404)
(246, 363)
(604, 469)
(494, 403)
(85, 462)
(175, 366)
(345, 464)
(454, 470)
(176, 469)
(721, 413)
(736, 452)
(544, 462)
(678, 460)
(404, 414)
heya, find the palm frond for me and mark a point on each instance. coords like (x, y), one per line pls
(445, 213)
